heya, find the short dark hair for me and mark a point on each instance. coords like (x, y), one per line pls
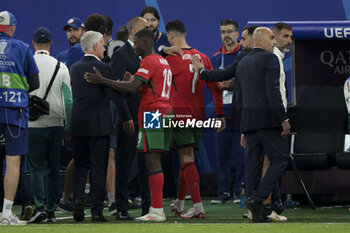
(122, 33)
(150, 9)
(250, 29)
(176, 25)
(277, 27)
(109, 25)
(96, 22)
(145, 34)
(229, 22)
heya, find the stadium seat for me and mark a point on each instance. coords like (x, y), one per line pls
(321, 119)
(343, 160)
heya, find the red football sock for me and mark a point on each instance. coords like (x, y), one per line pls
(156, 183)
(192, 181)
(181, 187)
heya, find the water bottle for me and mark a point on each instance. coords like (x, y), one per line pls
(289, 201)
(243, 196)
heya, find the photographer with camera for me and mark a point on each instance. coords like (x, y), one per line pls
(46, 131)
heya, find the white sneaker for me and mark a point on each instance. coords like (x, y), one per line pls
(236, 201)
(176, 208)
(249, 215)
(193, 213)
(275, 217)
(11, 220)
(154, 215)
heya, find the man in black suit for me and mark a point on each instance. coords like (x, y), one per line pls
(91, 125)
(263, 117)
(228, 72)
(124, 59)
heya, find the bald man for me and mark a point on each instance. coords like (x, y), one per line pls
(264, 121)
(124, 59)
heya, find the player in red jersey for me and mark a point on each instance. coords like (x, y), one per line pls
(187, 102)
(153, 79)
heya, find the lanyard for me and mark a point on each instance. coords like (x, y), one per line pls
(159, 35)
(222, 61)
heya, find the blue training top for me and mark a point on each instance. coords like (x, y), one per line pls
(16, 64)
(161, 39)
(220, 60)
(74, 54)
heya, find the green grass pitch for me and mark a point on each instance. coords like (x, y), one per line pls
(219, 218)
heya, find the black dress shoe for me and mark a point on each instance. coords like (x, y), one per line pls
(78, 211)
(99, 218)
(38, 216)
(135, 205)
(267, 209)
(123, 216)
(277, 206)
(257, 209)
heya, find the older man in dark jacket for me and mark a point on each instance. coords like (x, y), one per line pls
(91, 125)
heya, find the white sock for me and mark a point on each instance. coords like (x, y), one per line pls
(199, 207)
(87, 188)
(7, 208)
(65, 198)
(111, 197)
(159, 211)
(181, 202)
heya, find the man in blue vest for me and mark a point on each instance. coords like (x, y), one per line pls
(18, 76)
(228, 141)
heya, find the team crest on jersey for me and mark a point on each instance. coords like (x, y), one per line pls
(189, 56)
(5, 46)
(151, 120)
(163, 61)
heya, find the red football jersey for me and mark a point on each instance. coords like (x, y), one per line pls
(155, 71)
(188, 100)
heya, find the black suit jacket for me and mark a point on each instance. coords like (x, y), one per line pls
(124, 59)
(258, 95)
(226, 73)
(91, 115)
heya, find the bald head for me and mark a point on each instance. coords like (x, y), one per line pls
(264, 38)
(136, 24)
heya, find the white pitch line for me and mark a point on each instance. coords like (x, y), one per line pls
(70, 217)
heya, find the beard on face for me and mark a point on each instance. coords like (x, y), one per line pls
(228, 40)
(152, 29)
(286, 49)
(73, 42)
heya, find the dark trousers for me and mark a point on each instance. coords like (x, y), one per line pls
(44, 151)
(259, 143)
(126, 150)
(23, 190)
(229, 149)
(91, 153)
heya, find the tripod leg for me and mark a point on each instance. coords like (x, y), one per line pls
(297, 176)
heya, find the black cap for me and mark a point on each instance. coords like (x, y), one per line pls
(42, 35)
